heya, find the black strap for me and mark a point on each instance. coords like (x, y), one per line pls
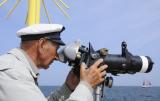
(36, 81)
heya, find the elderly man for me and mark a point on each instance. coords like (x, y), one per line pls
(19, 68)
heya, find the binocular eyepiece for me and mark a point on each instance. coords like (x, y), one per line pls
(122, 63)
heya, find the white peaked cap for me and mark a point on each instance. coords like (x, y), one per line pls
(37, 31)
(40, 29)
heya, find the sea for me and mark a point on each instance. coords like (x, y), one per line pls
(120, 93)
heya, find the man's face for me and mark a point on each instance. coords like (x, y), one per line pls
(47, 53)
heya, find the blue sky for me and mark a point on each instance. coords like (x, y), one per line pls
(104, 23)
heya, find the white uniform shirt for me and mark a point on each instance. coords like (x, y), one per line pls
(17, 83)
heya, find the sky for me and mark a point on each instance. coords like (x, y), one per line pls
(104, 23)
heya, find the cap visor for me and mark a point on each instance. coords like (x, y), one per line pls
(60, 42)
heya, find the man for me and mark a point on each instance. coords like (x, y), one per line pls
(19, 68)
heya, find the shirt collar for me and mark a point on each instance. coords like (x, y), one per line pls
(23, 56)
(32, 64)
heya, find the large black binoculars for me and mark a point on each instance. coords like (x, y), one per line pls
(122, 63)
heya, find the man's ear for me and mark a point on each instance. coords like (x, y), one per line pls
(41, 45)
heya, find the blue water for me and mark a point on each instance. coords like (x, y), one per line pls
(122, 93)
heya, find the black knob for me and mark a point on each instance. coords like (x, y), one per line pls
(108, 82)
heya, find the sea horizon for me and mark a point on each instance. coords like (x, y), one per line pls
(120, 93)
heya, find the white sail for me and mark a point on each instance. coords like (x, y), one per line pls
(146, 83)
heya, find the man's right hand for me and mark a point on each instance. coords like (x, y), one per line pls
(93, 75)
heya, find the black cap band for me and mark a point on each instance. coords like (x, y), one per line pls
(36, 37)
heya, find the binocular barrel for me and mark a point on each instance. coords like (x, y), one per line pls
(119, 64)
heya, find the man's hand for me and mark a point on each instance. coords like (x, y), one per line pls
(93, 75)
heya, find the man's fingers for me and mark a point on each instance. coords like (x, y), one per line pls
(103, 74)
(97, 63)
(83, 66)
(102, 68)
(101, 80)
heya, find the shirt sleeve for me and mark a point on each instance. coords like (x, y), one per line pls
(83, 92)
(61, 94)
